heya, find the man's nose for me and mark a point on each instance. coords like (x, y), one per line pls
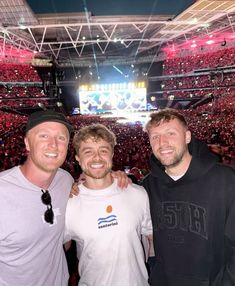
(96, 155)
(162, 139)
(53, 141)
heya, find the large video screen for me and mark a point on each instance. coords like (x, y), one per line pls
(110, 100)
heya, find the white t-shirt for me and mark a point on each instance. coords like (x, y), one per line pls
(31, 250)
(107, 226)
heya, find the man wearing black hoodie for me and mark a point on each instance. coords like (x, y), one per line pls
(192, 203)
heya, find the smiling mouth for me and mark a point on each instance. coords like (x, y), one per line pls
(96, 166)
(51, 155)
(166, 152)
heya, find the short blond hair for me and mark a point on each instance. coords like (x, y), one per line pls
(94, 131)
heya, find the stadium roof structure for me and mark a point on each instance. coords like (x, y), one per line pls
(82, 39)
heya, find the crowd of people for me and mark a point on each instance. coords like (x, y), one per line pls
(20, 86)
(221, 58)
(198, 93)
(212, 123)
(199, 82)
(210, 75)
(18, 73)
(11, 91)
(23, 103)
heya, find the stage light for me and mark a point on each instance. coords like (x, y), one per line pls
(131, 85)
(117, 69)
(193, 21)
(59, 104)
(22, 27)
(209, 42)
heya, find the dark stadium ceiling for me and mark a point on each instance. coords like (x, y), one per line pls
(83, 39)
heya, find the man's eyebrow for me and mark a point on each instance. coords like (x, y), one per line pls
(100, 147)
(105, 146)
(85, 148)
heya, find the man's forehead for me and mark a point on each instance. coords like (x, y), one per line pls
(50, 126)
(92, 142)
(163, 121)
(172, 124)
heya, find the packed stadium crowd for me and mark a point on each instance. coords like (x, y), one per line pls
(210, 74)
(212, 122)
(17, 86)
(205, 92)
(221, 58)
(199, 83)
(18, 73)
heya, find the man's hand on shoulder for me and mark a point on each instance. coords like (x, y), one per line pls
(75, 187)
(122, 179)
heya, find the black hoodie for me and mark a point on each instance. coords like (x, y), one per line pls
(193, 222)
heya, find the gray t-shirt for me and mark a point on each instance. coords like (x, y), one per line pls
(31, 250)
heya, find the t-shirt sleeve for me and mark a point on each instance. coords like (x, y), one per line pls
(146, 227)
(67, 233)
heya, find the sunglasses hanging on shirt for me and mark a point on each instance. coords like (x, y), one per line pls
(49, 214)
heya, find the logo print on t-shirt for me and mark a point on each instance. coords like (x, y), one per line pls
(109, 209)
(107, 221)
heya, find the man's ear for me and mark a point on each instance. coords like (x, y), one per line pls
(188, 136)
(26, 142)
(77, 158)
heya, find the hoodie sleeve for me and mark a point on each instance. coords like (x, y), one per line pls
(226, 275)
(229, 271)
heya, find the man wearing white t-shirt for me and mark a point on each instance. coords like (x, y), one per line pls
(106, 222)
